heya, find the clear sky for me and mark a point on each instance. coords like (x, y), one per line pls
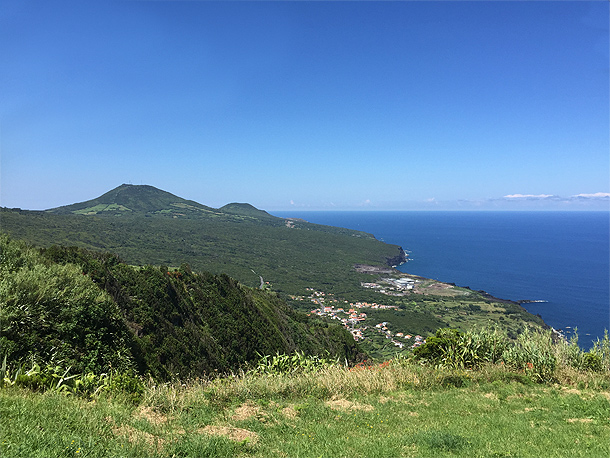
(307, 105)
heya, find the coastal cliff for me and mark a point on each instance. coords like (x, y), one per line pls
(397, 260)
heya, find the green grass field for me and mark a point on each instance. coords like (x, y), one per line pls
(388, 410)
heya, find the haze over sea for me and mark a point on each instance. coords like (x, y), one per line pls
(559, 257)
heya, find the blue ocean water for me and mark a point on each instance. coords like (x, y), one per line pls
(559, 257)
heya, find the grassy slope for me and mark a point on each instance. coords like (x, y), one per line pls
(145, 225)
(398, 410)
(83, 309)
(290, 258)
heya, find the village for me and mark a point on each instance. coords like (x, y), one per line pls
(392, 286)
(353, 318)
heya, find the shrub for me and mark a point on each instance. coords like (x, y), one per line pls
(57, 313)
(452, 348)
(296, 362)
(592, 361)
(602, 348)
(437, 347)
(533, 353)
(597, 359)
(126, 384)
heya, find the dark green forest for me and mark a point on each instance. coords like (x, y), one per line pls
(145, 225)
(90, 311)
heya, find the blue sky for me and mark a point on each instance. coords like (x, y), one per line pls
(307, 105)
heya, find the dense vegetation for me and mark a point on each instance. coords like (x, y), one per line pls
(145, 225)
(167, 361)
(91, 312)
(166, 308)
(56, 314)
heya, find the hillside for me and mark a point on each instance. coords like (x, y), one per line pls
(245, 210)
(135, 199)
(91, 312)
(145, 225)
(306, 264)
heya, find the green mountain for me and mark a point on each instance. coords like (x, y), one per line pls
(245, 210)
(145, 225)
(135, 199)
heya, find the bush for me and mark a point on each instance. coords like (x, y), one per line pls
(602, 348)
(296, 362)
(452, 348)
(533, 353)
(437, 347)
(58, 313)
(126, 384)
(597, 359)
(592, 362)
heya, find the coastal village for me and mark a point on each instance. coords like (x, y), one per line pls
(356, 316)
(353, 316)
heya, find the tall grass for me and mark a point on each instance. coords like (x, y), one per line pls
(271, 365)
(402, 407)
(55, 378)
(449, 358)
(540, 354)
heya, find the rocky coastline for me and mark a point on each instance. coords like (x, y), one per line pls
(397, 260)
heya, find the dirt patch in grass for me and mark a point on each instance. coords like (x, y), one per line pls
(134, 435)
(235, 434)
(247, 411)
(571, 390)
(148, 414)
(582, 394)
(579, 420)
(383, 399)
(290, 412)
(344, 404)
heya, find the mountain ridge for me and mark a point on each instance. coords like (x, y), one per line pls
(245, 209)
(151, 201)
(132, 199)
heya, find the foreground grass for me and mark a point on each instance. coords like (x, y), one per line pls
(395, 410)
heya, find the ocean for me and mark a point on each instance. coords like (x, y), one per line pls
(562, 258)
